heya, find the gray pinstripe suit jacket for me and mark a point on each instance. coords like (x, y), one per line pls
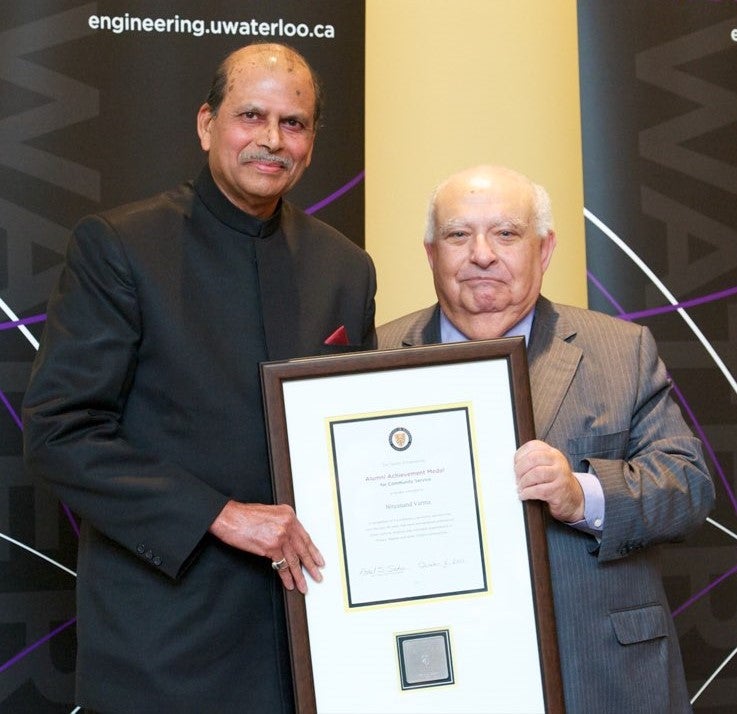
(601, 396)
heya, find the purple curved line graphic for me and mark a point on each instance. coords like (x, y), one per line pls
(75, 528)
(600, 287)
(681, 398)
(10, 326)
(705, 591)
(336, 194)
(687, 303)
(11, 411)
(697, 427)
(70, 517)
(25, 321)
(624, 315)
(35, 645)
(709, 450)
(3, 398)
(19, 423)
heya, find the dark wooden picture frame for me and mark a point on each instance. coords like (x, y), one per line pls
(276, 375)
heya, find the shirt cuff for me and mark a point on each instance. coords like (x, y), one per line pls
(593, 508)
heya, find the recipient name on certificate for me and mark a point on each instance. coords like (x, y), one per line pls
(408, 501)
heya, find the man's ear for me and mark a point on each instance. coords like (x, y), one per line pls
(547, 246)
(430, 252)
(204, 117)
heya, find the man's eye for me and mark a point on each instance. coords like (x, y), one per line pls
(455, 238)
(293, 124)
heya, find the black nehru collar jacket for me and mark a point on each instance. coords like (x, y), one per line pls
(229, 213)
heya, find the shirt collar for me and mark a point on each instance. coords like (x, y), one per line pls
(229, 213)
(450, 333)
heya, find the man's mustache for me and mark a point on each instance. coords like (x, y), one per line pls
(246, 157)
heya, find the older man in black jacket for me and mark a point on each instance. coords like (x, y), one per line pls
(144, 407)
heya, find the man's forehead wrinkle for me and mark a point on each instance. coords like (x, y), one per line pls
(490, 221)
(453, 223)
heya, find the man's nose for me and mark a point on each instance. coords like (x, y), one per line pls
(270, 136)
(482, 250)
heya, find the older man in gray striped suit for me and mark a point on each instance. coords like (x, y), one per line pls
(615, 462)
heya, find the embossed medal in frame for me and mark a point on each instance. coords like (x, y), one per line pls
(436, 594)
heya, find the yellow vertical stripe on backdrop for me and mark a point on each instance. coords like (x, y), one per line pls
(454, 83)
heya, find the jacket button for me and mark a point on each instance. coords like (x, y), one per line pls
(157, 560)
(141, 549)
(149, 555)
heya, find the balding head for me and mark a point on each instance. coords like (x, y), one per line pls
(486, 176)
(265, 55)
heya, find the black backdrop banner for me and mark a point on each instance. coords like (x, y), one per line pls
(98, 104)
(659, 121)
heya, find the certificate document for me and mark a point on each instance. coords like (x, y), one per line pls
(409, 505)
(400, 465)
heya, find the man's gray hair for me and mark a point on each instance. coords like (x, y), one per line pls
(542, 208)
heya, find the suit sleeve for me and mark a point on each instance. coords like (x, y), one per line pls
(73, 438)
(662, 489)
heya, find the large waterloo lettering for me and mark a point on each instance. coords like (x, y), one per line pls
(660, 178)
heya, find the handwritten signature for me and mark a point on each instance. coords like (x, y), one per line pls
(376, 571)
(379, 570)
(446, 563)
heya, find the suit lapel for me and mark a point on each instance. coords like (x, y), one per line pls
(553, 361)
(425, 330)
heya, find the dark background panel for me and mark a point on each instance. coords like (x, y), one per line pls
(89, 120)
(659, 123)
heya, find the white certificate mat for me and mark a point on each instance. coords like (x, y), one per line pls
(399, 464)
(408, 506)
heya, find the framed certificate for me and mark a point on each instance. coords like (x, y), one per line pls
(436, 594)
